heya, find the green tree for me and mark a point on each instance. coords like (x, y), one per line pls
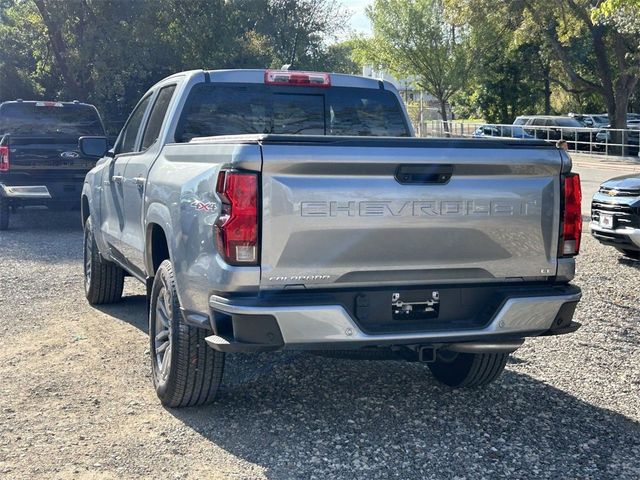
(415, 38)
(591, 53)
(607, 60)
(108, 52)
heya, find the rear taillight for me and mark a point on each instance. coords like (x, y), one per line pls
(572, 218)
(237, 225)
(4, 158)
(303, 79)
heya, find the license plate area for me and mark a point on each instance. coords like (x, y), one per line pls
(606, 220)
(411, 308)
(455, 308)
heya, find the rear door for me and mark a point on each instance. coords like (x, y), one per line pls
(363, 212)
(135, 177)
(113, 207)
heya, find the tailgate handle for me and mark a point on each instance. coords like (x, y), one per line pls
(424, 174)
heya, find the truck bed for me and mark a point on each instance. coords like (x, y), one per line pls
(354, 211)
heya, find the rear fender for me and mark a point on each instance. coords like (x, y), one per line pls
(158, 214)
(91, 207)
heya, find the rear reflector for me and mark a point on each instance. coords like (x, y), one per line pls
(572, 221)
(237, 225)
(303, 79)
(4, 158)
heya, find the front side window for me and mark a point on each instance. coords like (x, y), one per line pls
(130, 132)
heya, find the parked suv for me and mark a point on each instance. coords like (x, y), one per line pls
(509, 131)
(548, 127)
(615, 214)
(40, 163)
(591, 120)
(630, 137)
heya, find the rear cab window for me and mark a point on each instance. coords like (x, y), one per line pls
(213, 109)
(49, 118)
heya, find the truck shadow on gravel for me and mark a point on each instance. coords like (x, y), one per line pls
(629, 262)
(39, 219)
(299, 415)
(132, 309)
(315, 416)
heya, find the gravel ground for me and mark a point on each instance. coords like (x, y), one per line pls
(76, 399)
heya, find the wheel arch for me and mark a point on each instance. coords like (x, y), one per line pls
(157, 247)
(85, 209)
(158, 238)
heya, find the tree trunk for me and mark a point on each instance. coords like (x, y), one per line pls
(618, 119)
(547, 91)
(443, 115)
(59, 49)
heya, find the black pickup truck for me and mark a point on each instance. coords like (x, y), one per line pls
(40, 163)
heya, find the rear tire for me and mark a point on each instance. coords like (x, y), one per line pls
(186, 371)
(4, 213)
(103, 280)
(467, 370)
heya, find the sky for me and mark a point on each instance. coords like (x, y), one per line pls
(359, 21)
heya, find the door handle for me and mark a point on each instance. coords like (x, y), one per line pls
(139, 181)
(117, 179)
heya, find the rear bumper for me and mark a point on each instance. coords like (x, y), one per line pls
(42, 194)
(25, 192)
(254, 326)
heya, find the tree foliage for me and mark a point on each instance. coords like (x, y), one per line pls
(589, 51)
(414, 37)
(108, 52)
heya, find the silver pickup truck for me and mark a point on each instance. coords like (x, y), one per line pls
(269, 210)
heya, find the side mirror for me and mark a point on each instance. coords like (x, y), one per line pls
(93, 146)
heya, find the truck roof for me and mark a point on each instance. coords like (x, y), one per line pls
(52, 103)
(258, 76)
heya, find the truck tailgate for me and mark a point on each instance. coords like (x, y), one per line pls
(340, 213)
(47, 157)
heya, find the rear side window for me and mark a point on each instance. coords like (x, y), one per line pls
(217, 109)
(49, 118)
(156, 117)
(130, 132)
